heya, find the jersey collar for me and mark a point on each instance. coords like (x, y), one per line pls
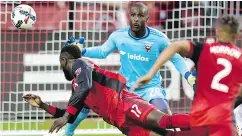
(146, 34)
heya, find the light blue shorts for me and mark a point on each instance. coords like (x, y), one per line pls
(151, 93)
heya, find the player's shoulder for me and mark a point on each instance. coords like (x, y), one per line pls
(156, 32)
(82, 63)
(120, 31)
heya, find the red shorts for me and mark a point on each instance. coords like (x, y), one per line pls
(123, 110)
(133, 110)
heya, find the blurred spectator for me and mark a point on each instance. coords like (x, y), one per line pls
(61, 4)
(121, 10)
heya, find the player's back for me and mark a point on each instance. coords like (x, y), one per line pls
(104, 96)
(219, 76)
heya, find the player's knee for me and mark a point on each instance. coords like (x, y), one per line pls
(162, 105)
(138, 131)
(167, 111)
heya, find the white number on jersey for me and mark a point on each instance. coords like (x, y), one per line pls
(136, 110)
(221, 74)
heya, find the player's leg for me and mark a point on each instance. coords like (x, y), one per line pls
(238, 118)
(151, 118)
(161, 104)
(139, 131)
(157, 119)
(238, 114)
(70, 128)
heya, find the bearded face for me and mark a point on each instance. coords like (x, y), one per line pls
(67, 74)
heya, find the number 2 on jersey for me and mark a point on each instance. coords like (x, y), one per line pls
(221, 74)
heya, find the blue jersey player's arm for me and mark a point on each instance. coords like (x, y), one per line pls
(177, 60)
(101, 51)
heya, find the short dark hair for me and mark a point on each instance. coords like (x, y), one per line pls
(139, 5)
(230, 24)
(73, 51)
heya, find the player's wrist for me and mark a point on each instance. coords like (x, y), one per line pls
(42, 105)
(67, 115)
(187, 74)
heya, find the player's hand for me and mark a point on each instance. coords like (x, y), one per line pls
(71, 41)
(58, 124)
(191, 78)
(141, 82)
(33, 100)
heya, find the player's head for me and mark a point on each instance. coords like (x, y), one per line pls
(138, 17)
(67, 55)
(227, 29)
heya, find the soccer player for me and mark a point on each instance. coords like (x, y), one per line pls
(219, 74)
(104, 92)
(139, 46)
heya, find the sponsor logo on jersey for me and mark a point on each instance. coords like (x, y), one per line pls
(135, 56)
(122, 52)
(148, 46)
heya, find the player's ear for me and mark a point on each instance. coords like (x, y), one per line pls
(238, 36)
(63, 61)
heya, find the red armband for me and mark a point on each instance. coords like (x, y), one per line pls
(71, 110)
(52, 110)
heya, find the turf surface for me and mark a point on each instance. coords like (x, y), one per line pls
(45, 125)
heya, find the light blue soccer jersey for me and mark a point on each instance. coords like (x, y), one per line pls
(137, 55)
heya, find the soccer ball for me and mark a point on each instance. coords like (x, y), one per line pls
(23, 17)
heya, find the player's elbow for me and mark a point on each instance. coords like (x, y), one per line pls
(177, 46)
(181, 47)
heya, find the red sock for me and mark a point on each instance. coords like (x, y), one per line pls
(175, 121)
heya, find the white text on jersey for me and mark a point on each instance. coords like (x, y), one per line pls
(137, 57)
(225, 50)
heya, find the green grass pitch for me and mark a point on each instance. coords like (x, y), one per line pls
(45, 125)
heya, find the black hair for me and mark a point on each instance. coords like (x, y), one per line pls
(230, 23)
(71, 52)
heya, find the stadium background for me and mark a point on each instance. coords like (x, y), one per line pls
(29, 59)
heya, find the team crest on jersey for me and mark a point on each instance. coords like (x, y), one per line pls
(78, 71)
(148, 46)
(74, 84)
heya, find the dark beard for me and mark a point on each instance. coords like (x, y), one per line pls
(67, 74)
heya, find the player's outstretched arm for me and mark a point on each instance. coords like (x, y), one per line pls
(101, 51)
(93, 52)
(181, 47)
(83, 74)
(36, 101)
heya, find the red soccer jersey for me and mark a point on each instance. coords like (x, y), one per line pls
(219, 74)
